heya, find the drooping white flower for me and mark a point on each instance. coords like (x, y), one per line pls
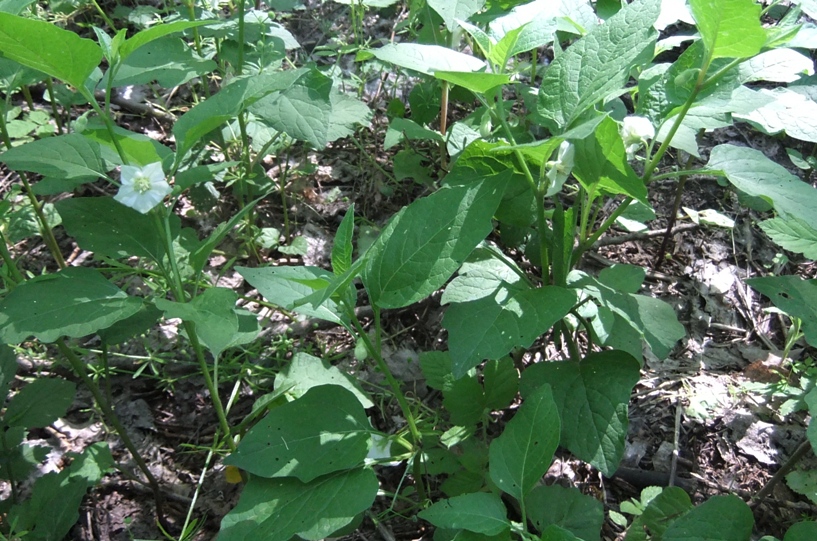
(559, 169)
(635, 130)
(142, 187)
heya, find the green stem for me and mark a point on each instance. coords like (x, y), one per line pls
(109, 125)
(398, 393)
(104, 16)
(54, 111)
(16, 277)
(112, 419)
(240, 64)
(224, 425)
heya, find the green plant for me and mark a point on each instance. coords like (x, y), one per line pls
(534, 168)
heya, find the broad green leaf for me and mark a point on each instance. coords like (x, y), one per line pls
(452, 10)
(138, 148)
(523, 453)
(601, 164)
(803, 482)
(139, 323)
(347, 114)
(8, 368)
(464, 400)
(598, 65)
(217, 321)
(752, 172)
(501, 381)
(555, 532)
(305, 371)
(279, 509)
(793, 295)
(302, 110)
(73, 302)
(777, 65)
(285, 286)
(491, 327)
(14, 7)
(479, 512)
(45, 47)
(144, 37)
(503, 50)
(52, 509)
(323, 431)
(539, 16)
(168, 60)
(480, 82)
(729, 516)
(40, 403)
(801, 531)
(567, 508)
(401, 128)
(651, 318)
(787, 111)
(427, 241)
(624, 278)
(661, 509)
(342, 247)
(436, 367)
(481, 275)
(226, 105)
(427, 58)
(482, 160)
(729, 28)
(592, 397)
(793, 235)
(70, 157)
(109, 228)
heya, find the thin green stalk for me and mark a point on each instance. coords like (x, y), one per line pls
(109, 125)
(104, 16)
(240, 64)
(111, 418)
(54, 111)
(398, 393)
(15, 274)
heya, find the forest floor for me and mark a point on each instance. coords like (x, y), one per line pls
(717, 400)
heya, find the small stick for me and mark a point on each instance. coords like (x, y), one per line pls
(674, 463)
(781, 473)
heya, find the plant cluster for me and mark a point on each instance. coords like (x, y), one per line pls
(553, 156)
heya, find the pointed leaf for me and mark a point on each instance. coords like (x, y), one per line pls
(279, 509)
(427, 241)
(795, 296)
(598, 65)
(324, 431)
(108, 228)
(793, 235)
(752, 172)
(787, 111)
(168, 60)
(601, 164)
(729, 516)
(427, 58)
(491, 327)
(478, 512)
(592, 397)
(68, 157)
(451, 10)
(729, 28)
(567, 508)
(523, 453)
(285, 286)
(342, 247)
(73, 302)
(43, 46)
(40, 403)
(305, 371)
(144, 37)
(218, 324)
(479, 82)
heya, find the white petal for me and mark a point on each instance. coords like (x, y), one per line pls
(128, 173)
(154, 172)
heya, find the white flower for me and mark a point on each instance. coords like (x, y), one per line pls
(635, 130)
(142, 188)
(559, 170)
